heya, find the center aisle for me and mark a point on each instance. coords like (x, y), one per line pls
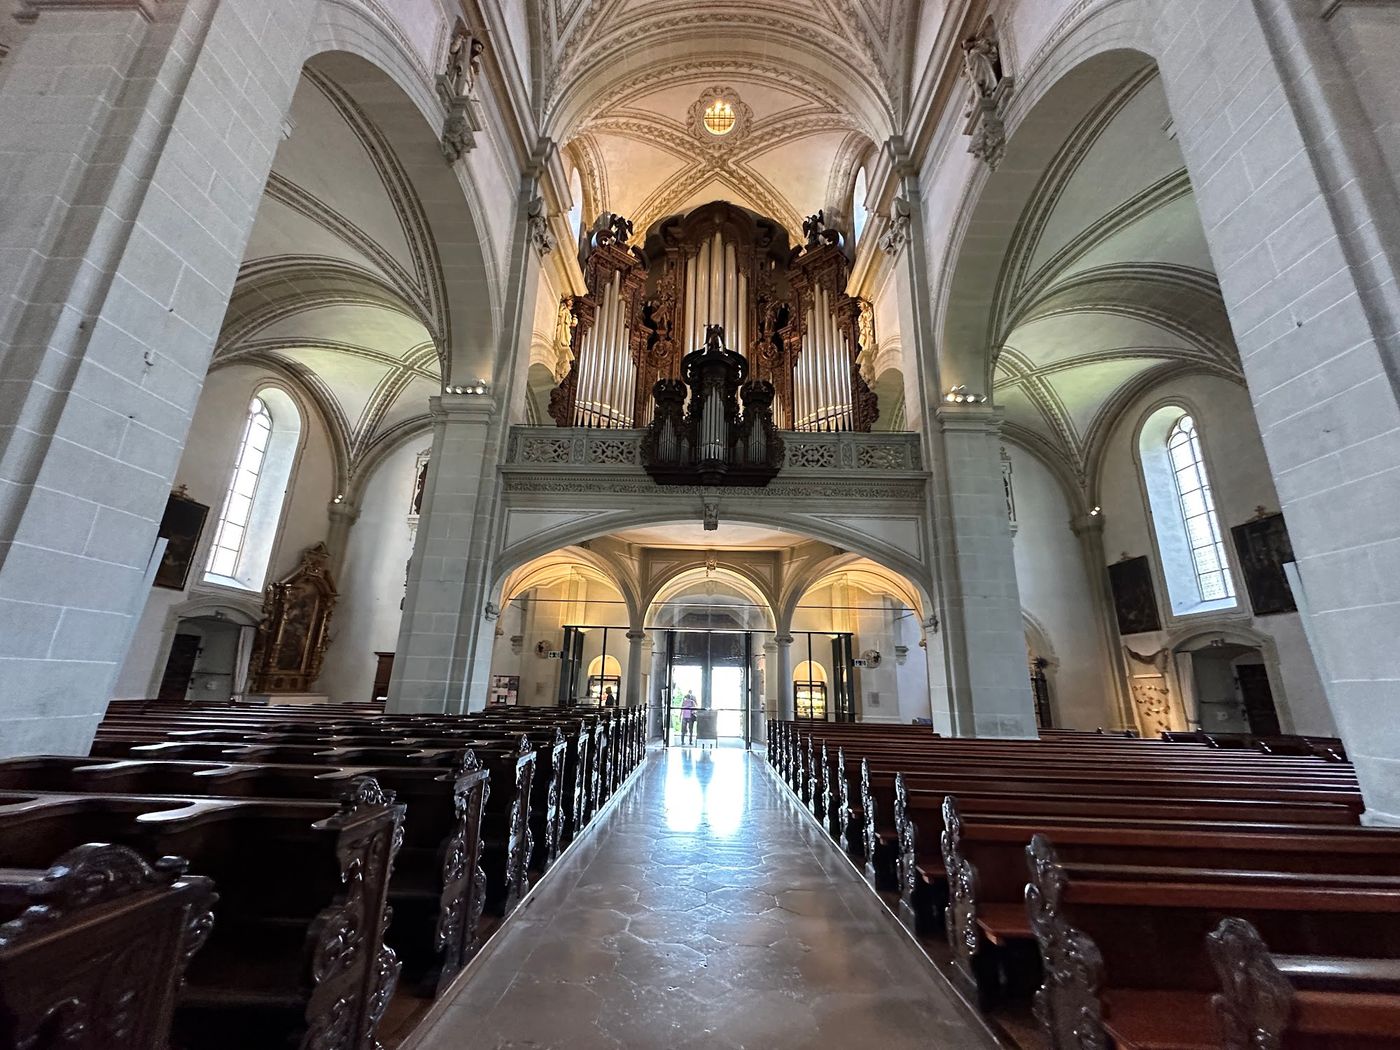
(706, 912)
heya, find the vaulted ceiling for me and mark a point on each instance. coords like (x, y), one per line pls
(342, 289)
(815, 82)
(1107, 287)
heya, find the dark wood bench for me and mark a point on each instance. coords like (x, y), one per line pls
(1300, 1002)
(297, 952)
(93, 949)
(984, 857)
(437, 890)
(1125, 948)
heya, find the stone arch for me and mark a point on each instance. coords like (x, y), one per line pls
(536, 571)
(1206, 633)
(1043, 119)
(590, 526)
(909, 591)
(739, 576)
(395, 89)
(745, 583)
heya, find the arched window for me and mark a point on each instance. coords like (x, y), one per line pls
(1198, 511)
(809, 689)
(1195, 563)
(252, 510)
(576, 207)
(859, 215)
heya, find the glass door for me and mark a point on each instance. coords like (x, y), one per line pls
(708, 685)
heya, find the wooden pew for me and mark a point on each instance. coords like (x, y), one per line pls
(93, 949)
(437, 890)
(983, 857)
(297, 955)
(1300, 1002)
(1125, 948)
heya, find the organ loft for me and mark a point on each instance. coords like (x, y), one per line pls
(782, 307)
(784, 524)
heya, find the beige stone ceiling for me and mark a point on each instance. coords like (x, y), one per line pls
(821, 82)
(341, 290)
(1108, 287)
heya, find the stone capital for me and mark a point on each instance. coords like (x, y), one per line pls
(343, 511)
(1087, 524)
(462, 408)
(975, 418)
(784, 639)
(29, 10)
(636, 636)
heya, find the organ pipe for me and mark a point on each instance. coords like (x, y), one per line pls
(649, 305)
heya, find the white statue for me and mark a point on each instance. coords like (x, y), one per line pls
(982, 64)
(463, 61)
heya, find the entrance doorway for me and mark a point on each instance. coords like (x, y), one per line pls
(1233, 695)
(708, 687)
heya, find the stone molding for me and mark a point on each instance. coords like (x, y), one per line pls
(29, 9)
(1328, 8)
(816, 453)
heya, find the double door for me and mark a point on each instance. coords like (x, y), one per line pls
(708, 687)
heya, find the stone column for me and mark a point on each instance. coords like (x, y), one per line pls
(341, 517)
(983, 629)
(1301, 213)
(632, 686)
(783, 677)
(657, 717)
(447, 574)
(135, 159)
(1089, 529)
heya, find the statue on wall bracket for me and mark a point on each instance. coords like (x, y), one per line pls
(990, 90)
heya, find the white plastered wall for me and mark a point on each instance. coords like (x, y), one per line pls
(1240, 477)
(1055, 591)
(372, 576)
(205, 468)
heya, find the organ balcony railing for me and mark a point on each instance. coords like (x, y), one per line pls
(784, 309)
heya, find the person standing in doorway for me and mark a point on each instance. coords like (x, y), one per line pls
(688, 719)
(608, 699)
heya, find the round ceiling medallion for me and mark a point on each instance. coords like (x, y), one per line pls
(720, 117)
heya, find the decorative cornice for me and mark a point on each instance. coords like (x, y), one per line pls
(29, 9)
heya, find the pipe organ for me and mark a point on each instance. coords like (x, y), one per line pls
(783, 309)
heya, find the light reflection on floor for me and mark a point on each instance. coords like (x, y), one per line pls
(705, 790)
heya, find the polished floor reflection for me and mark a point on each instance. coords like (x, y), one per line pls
(707, 913)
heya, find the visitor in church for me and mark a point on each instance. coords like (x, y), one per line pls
(688, 719)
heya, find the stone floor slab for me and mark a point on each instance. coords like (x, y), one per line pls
(706, 911)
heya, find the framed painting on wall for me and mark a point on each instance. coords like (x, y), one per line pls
(1134, 598)
(181, 527)
(1264, 548)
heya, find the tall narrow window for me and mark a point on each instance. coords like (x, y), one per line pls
(1195, 565)
(859, 215)
(252, 512)
(232, 533)
(1198, 512)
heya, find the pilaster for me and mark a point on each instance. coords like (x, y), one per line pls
(134, 165)
(1089, 529)
(445, 602)
(632, 691)
(341, 516)
(783, 677)
(983, 627)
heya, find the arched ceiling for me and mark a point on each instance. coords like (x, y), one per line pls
(817, 82)
(1107, 286)
(359, 283)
